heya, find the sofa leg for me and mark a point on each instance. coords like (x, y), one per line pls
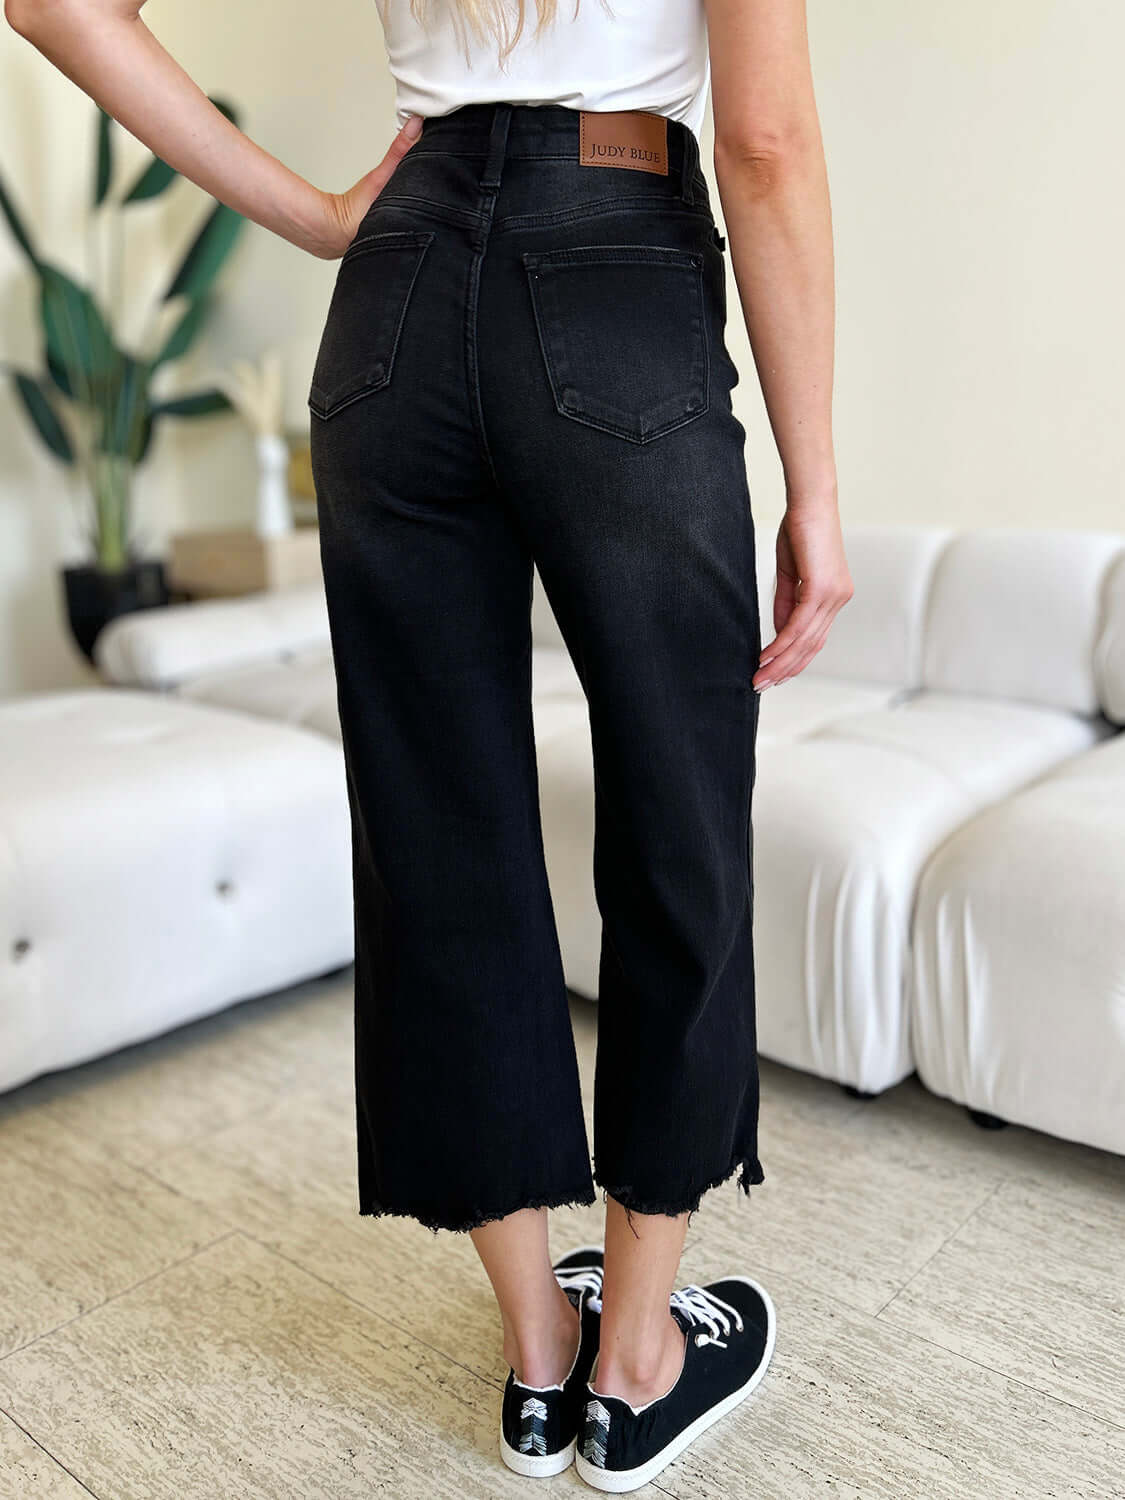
(985, 1120)
(854, 1093)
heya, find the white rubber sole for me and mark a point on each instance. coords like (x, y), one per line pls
(537, 1465)
(618, 1481)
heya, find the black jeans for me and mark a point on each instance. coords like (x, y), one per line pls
(524, 360)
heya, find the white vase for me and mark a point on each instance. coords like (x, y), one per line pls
(275, 513)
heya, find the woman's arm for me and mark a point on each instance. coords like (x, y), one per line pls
(106, 49)
(773, 186)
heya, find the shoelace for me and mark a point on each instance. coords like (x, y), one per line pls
(583, 1279)
(702, 1306)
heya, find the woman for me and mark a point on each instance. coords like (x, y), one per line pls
(524, 362)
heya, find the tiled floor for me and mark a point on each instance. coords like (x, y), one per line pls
(190, 1306)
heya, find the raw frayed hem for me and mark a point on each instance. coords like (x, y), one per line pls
(750, 1174)
(373, 1209)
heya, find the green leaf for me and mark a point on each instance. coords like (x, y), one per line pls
(103, 168)
(183, 334)
(15, 224)
(126, 407)
(199, 404)
(59, 376)
(153, 180)
(224, 108)
(207, 252)
(144, 437)
(76, 334)
(43, 416)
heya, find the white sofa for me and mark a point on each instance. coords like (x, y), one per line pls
(158, 861)
(959, 708)
(1017, 988)
(993, 686)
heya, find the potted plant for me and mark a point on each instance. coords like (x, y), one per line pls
(93, 405)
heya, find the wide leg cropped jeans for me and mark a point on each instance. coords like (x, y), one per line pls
(524, 363)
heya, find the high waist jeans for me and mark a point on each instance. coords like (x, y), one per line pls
(524, 361)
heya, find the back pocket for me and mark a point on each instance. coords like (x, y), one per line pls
(623, 334)
(365, 317)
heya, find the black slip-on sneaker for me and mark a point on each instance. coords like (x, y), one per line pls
(730, 1327)
(539, 1424)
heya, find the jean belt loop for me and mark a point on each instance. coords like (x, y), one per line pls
(497, 143)
(689, 158)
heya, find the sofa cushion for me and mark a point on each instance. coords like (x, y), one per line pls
(841, 828)
(1018, 983)
(298, 688)
(877, 636)
(566, 794)
(158, 861)
(1109, 655)
(986, 747)
(157, 648)
(544, 626)
(810, 702)
(845, 820)
(1015, 614)
(553, 675)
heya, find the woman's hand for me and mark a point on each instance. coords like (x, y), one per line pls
(344, 212)
(813, 585)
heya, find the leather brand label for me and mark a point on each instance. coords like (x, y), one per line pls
(631, 138)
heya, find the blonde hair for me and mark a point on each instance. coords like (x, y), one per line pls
(493, 18)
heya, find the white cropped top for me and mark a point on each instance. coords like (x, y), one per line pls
(614, 54)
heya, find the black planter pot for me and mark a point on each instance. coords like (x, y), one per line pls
(94, 597)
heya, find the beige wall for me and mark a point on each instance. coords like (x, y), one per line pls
(973, 160)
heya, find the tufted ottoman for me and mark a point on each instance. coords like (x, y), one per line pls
(158, 861)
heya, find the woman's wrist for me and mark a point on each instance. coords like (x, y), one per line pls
(317, 222)
(812, 495)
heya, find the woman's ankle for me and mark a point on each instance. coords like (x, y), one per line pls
(543, 1355)
(641, 1370)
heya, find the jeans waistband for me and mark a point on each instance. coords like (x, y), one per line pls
(497, 131)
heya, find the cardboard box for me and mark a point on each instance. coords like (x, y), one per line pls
(205, 563)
